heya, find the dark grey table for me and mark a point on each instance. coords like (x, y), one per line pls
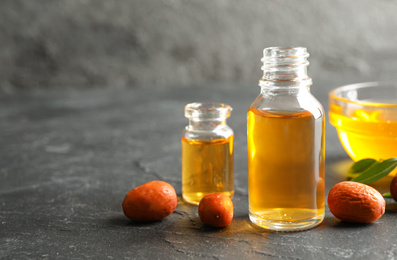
(67, 159)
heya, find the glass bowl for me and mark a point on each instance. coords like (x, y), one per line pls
(365, 117)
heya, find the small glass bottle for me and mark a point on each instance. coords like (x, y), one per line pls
(285, 127)
(207, 152)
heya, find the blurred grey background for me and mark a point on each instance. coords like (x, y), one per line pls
(144, 43)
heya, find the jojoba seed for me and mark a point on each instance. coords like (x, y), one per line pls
(356, 202)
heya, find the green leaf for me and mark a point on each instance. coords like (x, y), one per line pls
(387, 195)
(361, 165)
(376, 171)
(358, 167)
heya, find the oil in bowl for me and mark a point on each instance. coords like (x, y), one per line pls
(365, 117)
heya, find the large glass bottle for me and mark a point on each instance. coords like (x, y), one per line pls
(207, 152)
(286, 145)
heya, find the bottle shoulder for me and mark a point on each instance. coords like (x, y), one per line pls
(303, 101)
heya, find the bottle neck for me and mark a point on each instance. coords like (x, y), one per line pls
(291, 89)
(206, 124)
(207, 116)
(285, 68)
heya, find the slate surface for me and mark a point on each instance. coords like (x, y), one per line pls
(67, 159)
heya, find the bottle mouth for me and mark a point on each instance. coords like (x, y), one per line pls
(285, 64)
(207, 111)
(285, 51)
(284, 56)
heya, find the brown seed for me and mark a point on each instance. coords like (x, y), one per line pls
(356, 202)
(393, 188)
(150, 201)
(216, 210)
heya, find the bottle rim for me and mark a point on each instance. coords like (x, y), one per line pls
(285, 52)
(207, 110)
(285, 64)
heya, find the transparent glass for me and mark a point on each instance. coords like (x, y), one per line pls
(207, 152)
(365, 117)
(285, 126)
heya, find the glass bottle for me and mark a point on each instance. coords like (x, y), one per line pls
(207, 152)
(285, 126)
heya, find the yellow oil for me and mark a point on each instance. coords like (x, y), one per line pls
(366, 132)
(286, 169)
(207, 167)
